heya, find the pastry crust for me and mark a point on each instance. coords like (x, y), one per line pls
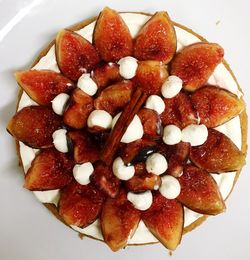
(243, 121)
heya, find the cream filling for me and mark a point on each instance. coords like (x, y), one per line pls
(232, 129)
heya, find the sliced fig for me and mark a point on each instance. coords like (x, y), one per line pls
(111, 36)
(49, 170)
(78, 110)
(137, 150)
(156, 40)
(34, 126)
(150, 76)
(176, 155)
(80, 205)
(115, 97)
(179, 111)
(142, 180)
(106, 75)
(165, 219)
(43, 85)
(217, 154)
(151, 122)
(84, 149)
(119, 220)
(199, 191)
(104, 179)
(216, 106)
(195, 64)
(74, 54)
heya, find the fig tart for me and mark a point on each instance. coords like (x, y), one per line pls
(130, 128)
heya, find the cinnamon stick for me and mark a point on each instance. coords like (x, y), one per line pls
(121, 126)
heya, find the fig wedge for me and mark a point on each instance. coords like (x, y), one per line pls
(104, 179)
(49, 170)
(77, 112)
(43, 85)
(84, 149)
(199, 191)
(74, 54)
(165, 220)
(150, 76)
(179, 111)
(115, 97)
(217, 154)
(151, 122)
(106, 75)
(80, 205)
(111, 37)
(119, 220)
(142, 180)
(216, 106)
(156, 40)
(176, 155)
(195, 63)
(34, 126)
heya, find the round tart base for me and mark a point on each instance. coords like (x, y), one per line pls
(243, 122)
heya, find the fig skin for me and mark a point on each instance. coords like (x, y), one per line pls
(199, 191)
(49, 170)
(218, 154)
(156, 40)
(43, 85)
(34, 126)
(195, 63)
(111, 36)
(74, 54)
(216, 105)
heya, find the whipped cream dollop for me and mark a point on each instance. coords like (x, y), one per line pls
(156, 163)
(59, 103)
(60, 140)
(155, 103)
(134, 130)
(128, 67)
(87, 84)
(170, 187)
(171, 134)
(141, 201)
(99, 118)
(122, 171)
(82, 172)
(171, 87)
(195, 134)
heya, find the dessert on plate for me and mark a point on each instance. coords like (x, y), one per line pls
(130, 128)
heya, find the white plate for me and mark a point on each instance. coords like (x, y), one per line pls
(27, 229)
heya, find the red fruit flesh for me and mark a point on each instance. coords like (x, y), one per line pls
(34, 126)
(80, 205)
(115, 97)
(49, 170)
(111, 36)
(179, 111)
(106, 74)
(84, 149)
(75, 55)
(199, 191)
(217, 154)
(78, 110)
(215, 105)
(195, 63)
(151, 122)
(156, 40)
(119, 220)
(165, 219)
(150, 76)
(104, 179)
(43, 85)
